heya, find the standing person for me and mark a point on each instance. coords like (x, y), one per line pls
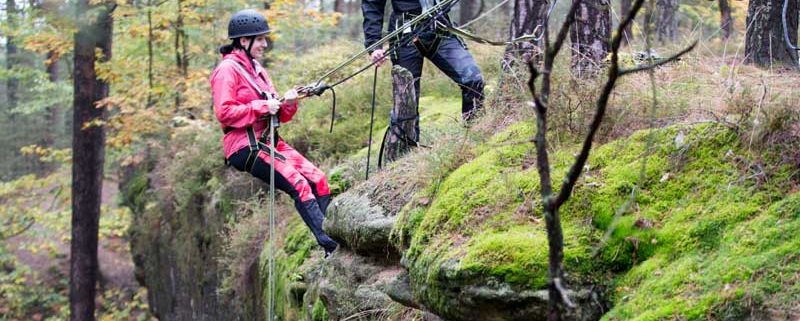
(244, 113)
(445, 50)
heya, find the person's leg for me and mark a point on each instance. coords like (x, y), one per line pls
(290, 181)
(409, 58)
(456, 62)
(316, 178)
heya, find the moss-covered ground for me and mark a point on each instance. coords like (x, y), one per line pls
(684, 230)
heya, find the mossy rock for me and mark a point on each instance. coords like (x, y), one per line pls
(357, 225)
(350, 285)
(483, 226)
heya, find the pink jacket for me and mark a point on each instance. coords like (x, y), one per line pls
(237, 105)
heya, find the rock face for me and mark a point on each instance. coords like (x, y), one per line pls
(360, 226)
(497, 301)
(350, 284)
(180, 212)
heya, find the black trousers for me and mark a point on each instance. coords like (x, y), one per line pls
(452, 58)
(311, 211)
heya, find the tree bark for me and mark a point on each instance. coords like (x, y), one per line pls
(764, 41)
(150, 40)
(53, 118)
(725, 20)
(627, 35)
(88, 147)
(590, 37)
(528, 18)
(666, 24)
(180, 55)
(11, 56)
(402, 135)
(338, 6)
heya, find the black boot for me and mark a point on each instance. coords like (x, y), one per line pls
(323, 202)
(312, 215)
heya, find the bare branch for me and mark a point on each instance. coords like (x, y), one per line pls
(602, 103)
(542, 158)
(672, 58)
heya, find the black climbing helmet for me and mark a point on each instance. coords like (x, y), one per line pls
(246, 23)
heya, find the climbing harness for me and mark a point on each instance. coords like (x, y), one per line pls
(786, 31)
(257, 145)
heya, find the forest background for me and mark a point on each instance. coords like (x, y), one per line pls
(162, 54)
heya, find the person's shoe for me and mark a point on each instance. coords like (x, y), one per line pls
(469, 117)
(329, 250)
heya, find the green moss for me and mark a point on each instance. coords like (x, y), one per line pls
(134, 192)
(297, 247)
(666, 255)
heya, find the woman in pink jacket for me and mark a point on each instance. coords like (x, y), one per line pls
(244, 97)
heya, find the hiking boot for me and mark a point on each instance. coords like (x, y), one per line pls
(329, 250)
(313, 217)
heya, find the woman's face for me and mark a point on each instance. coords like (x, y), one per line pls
(259, 45)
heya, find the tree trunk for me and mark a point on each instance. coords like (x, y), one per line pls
(53, 118)
(666, 24)
(150, 40)
(468, 10)
(725, 20)
(625, 6)
(338, 6)
(180, 55)
(528, 18)
(765, 43)
(590, 36)
(402, 135)
(88, 148)
(11, 56)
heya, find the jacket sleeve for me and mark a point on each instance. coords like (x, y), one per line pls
(287, 111)
(229, 111)
(373, 20)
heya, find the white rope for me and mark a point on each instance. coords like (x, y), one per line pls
(271, 262)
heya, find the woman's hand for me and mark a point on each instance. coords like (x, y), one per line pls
(290, 96)
(273, 105)
(264, 107)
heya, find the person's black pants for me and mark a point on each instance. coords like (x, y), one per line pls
(452, 58)
(312, 211)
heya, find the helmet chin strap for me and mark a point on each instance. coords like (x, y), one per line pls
(250, 46)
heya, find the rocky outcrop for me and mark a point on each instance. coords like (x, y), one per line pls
(350, 284)
(180, 212)
(360, 226)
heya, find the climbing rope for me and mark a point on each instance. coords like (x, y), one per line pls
(372, 120)
(271, 262)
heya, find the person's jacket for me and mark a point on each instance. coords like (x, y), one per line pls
(237, 105)
(373, 11)
(373, 16)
